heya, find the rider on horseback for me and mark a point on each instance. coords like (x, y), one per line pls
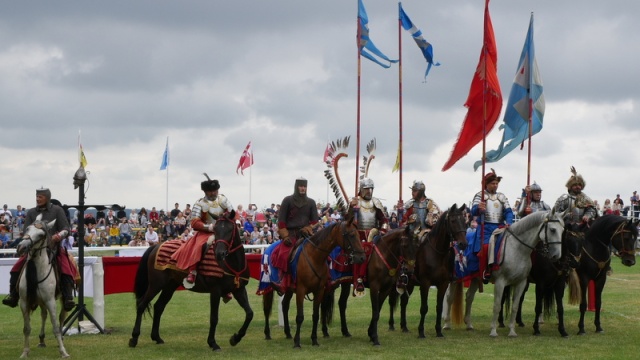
(204, 214)
(420, 212)
(371, 225)
(67, 268)
(581, 207)
(494, 212)
(296, 218)
(532, 200)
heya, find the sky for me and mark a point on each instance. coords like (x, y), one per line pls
(213, 75)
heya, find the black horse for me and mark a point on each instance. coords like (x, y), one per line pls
(230, 256)
(605, 232)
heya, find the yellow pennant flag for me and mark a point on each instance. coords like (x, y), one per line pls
(83, 159)
(396, 167)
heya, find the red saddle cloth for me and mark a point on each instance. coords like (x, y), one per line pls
(208, 266)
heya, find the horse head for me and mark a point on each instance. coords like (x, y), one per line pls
(456, 225)
(624, 241)
(550, 233)
(572, 240)
(408, 252)
(36, 233)
(227, 236)
(350, 241)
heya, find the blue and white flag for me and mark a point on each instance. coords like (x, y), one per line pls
(165, 157)
(526, 99)
(366, 46)
(423, 44)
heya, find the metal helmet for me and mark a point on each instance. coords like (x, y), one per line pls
(535, 187)
(45, 192)
(418, 185)
(366, 183)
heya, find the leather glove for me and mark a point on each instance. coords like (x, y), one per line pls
(284, 234)
(307, 230)
(56, 237)
(287, 241)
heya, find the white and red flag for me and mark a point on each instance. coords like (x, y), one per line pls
(246, 160)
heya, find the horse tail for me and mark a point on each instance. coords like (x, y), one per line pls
(328, 303)
(142, 276)
(574, 288)
(549, 301)
(506, 298)
(456, 305)
(32, 284)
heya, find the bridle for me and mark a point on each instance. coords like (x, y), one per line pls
(42, 242)
(235, 236)
(348, 247)
(621, 231)
(544, 227)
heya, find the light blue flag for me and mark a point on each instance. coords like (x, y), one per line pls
(165, 157)
(366, 46)
(423, 44)
(526, 97)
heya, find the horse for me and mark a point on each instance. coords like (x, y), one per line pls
(519, 241)
(230, 255)
(390, 264)
(312, 275)
(550, 279)
(605, 232)
(434, 266)
(38, 284)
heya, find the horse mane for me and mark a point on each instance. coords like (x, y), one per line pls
(323, 234)
(529, 221)
(441, 224)
(606, 225)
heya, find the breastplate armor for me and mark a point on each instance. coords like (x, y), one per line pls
(494, 212)
(209, 210)
(366, 215)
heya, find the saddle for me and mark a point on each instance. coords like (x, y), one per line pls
(208, 265)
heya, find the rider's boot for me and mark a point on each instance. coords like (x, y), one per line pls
(67, 292)
(11, 300)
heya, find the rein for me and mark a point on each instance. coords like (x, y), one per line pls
(233, 272)
(32, 252)
(602, 264)
(544, 227)
(400, 260)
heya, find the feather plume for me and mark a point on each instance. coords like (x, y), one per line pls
(367, 159)
(338, 150)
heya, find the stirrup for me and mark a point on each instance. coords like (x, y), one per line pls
(10, 301)
(190, 281)
(359, 289)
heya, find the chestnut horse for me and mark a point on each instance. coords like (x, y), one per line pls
(230, 256)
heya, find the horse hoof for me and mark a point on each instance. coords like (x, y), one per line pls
(564, 335)
(233, 341)
(493, 334)
(42, 345)
(501, 325)
(405, 330)
(133, 342)
(512, 335)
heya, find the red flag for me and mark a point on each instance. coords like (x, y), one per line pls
(327, 153)
(485, 98)
(246, 160)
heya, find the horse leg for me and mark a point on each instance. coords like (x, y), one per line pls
(299, 315)
(424, 307)
(517, 295)
(243, 300)
(57, 331)
(442, 290)
(377, 300)
(158, 309)
(393, 301)
(507, 290)
(214, 306)
(267, 305)
(599, 287)
(519, 315)
(26, 329)
(315, 316)
(498, 290)
(141, 307)
(43, 316)
(404, 302)
(538, 308)
(471, 292)
(559, 289)
(345, 291)
(584, 283)
(446, 306)
(286, 302)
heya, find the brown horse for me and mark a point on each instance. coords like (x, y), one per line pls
(434, 265)
(390, 264)
(605, 232)
(230, 256)
(312, 275)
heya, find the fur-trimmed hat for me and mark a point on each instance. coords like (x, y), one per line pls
(491, 176)
(575, 179)
(209, 185)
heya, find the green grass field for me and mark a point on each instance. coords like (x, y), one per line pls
(185, 326)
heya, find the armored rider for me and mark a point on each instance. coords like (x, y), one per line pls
(532, 200)
(420, 212)
(372, 223)
(204, 214)
(581, 207)
(297, 217)
(494, 212)
(67, 268)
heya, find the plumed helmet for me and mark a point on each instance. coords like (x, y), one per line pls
(535, 187)
(209, 185)
(417, 185)
(45, 192)
(575, 179)
(366, 183)
(491, 176)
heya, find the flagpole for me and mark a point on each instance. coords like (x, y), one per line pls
(168, 163)
(530, 112)
(359, 34)
(399, 105)
(484, 118)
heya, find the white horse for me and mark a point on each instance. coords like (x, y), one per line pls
(520, 240)
(37, 286)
